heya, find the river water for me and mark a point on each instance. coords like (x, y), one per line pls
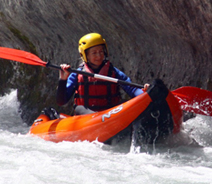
(27, 160)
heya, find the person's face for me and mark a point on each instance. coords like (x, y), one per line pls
(95, 56)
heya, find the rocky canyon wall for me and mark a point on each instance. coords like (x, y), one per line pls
(147, 39)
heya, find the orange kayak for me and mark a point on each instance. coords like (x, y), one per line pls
(152, 115)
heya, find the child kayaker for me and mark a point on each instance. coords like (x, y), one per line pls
(92, 94)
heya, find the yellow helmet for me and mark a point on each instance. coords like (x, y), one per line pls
(91, 40)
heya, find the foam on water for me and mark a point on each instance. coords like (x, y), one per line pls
(26, 159)
(10, 117)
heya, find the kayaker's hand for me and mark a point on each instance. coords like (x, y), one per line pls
(64, 73)
(146, 86)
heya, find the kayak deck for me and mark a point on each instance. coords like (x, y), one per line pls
(151, 115)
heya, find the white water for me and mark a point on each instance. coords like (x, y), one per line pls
(29, 160)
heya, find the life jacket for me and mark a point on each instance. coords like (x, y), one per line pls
(97, 94)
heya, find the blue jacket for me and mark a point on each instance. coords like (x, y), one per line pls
(66, 89)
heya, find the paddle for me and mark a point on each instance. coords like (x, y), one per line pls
(29, 58)
(190, 98)
(193, 99)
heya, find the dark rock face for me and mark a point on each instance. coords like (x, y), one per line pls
(147, 39)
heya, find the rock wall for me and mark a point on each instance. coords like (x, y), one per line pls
(147, 39)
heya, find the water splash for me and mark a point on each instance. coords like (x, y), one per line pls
(9, 114)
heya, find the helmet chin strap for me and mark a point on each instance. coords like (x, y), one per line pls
(106, 59)
(92, 66)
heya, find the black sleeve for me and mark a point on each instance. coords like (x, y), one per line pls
(61, 97)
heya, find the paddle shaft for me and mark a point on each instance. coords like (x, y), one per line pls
(190, 98)
(96, 76)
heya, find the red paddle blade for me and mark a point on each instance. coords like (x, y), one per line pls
(195, 100)
(21, 56)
